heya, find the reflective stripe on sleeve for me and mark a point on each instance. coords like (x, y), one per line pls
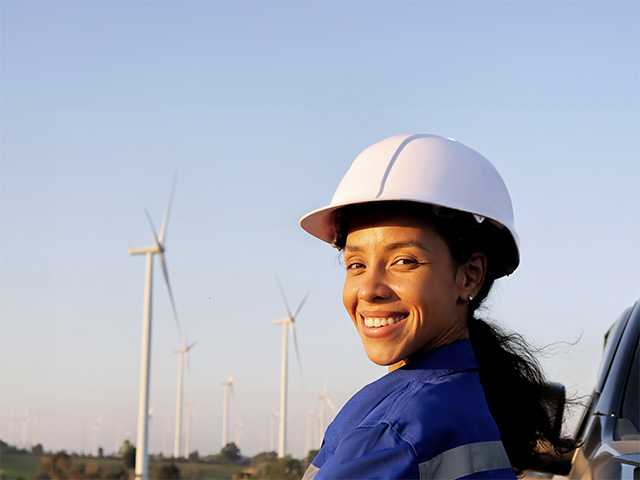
(465, 460)
(311, 472)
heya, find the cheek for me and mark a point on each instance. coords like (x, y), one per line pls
(428, 293)
(439, 299)
(349, 295)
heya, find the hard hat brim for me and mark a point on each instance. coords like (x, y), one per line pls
(321, 223)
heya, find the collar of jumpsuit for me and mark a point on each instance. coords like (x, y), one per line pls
(400, 425)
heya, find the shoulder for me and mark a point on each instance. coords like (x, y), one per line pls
(450, 428)
(438, 423)
(443, 413)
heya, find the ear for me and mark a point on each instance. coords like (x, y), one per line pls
(470, 276)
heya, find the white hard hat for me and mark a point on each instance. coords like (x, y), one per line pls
(427, 169)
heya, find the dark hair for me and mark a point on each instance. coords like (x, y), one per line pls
(515, 387)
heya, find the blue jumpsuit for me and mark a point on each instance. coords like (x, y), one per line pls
(427, 420)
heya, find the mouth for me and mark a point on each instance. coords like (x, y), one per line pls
(381, 324)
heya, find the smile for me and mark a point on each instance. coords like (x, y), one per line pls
(376, 322)
(381, 322)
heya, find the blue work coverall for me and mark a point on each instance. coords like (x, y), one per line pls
(426, 420)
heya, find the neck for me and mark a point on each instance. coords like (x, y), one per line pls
(458, 332)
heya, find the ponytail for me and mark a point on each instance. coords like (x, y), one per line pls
(517, 393)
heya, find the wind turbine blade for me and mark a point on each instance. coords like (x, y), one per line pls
(165, 272)
(191, 346)
(167, 213)
(302, 302)
(153, 227)
(295, 343)
(284, 298)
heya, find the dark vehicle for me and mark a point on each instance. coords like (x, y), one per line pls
(609, 430)
(610, 427)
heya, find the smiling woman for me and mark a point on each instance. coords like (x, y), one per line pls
(398, 268)
(425, 225)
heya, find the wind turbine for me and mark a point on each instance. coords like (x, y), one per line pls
(158, 248)
(310, 431)
(151, 422)
(187, 439)
(327, 408)
(182, 356)
(96, 427)
(26, 420)
(273, 420)
(237, 432)
(228, 392)
(287, 323)
(166, 438)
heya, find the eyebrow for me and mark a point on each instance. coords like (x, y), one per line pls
(391, 246)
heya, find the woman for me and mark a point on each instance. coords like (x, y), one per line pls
(425, 225)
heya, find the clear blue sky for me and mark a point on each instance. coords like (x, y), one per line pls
(260, 107)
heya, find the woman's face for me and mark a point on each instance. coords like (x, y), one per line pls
(401, 288)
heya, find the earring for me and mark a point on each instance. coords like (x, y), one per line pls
(470, 297)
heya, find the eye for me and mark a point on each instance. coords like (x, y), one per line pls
(354, 266)
(406, 261)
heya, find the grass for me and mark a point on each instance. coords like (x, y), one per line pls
(207, 471)
(14, 466)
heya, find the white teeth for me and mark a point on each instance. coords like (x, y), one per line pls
(374, 322)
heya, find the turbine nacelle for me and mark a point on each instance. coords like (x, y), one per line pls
(283, 321)
(146, 250)
(228, 383)
(184, 347)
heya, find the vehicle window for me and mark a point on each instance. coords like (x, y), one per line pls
(612, 339)
(584, 419)
(631, 402)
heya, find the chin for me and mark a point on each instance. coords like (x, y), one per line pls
(382, 358)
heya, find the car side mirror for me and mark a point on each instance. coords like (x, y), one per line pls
(556, 401)
(546, 461)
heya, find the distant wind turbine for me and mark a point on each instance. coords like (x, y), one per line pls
(187, 435)
(287, 323)
(273, 420)
(24, 429)
(327, 408)
(237, 432)
(182, 359)
(228, 393)
(310, 431)
(97, 426)
(158, 248)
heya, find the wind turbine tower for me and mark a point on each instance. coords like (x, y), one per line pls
(228, 392)
(237, 433)
(182, 358)
(287, 323)
(187, 440)
(158, 248)
(273, 420)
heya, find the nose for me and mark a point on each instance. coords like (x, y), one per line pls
(374, 287)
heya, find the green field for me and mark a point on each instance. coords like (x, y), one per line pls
(13, 466)
(16, 466)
